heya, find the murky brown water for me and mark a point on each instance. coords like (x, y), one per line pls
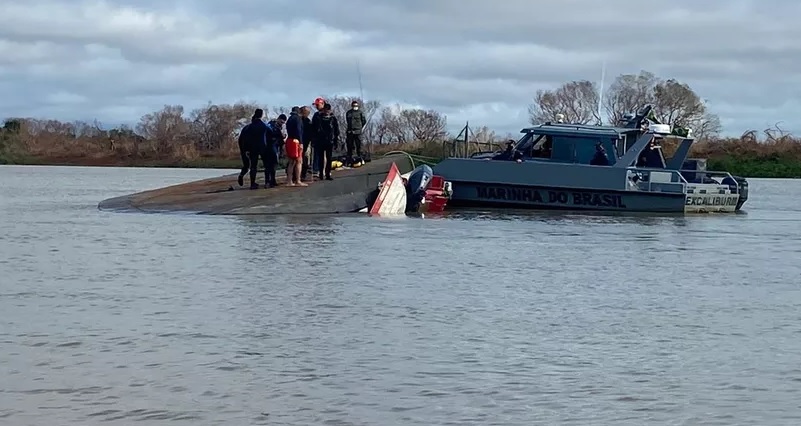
(472, 319)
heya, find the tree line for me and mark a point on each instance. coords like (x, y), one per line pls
(211, 130)
(175, 136)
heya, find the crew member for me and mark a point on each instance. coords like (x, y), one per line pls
(510, 153)
(256, 142)
(355, 121)
(326, 131)
(600, 158)
(242, 140)
(273, 145)
(308, 136)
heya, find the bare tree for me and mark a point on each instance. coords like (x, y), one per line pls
(629, 93)
(674, 103)
(166, 128)
(213, 127)
(577, 100)
(423, 125)
(485, 135)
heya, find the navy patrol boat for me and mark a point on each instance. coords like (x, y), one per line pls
(584, 167)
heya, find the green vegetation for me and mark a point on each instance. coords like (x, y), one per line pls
(777, 167)
(206, 137)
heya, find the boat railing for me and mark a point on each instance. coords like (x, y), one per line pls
(656, 180)
(463, 149)
(700, 175)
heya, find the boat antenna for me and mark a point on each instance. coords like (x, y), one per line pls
(601, 91)
(359, 74)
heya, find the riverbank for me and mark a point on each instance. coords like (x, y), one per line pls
(747, 165)
(209, 162)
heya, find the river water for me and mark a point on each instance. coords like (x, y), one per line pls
(471, 319)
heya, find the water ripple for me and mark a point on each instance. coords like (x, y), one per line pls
(472, 318)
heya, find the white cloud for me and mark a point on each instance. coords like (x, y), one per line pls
(474, 60)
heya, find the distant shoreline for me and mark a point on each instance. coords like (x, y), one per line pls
(776, 167)
(201, 163)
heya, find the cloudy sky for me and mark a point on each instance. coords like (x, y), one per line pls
(474, 60)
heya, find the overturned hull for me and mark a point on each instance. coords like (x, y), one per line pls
(350, 191)
(417, 192)
(390, 197)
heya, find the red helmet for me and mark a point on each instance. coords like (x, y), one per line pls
(319, 101)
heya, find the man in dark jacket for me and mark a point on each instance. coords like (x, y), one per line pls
(274, 144)
(326, 131)
(319, 103)
(355, 121)
(308, 136)
(242, 140)
(256, 142)
(294, 125)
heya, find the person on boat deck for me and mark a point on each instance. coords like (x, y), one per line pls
(275, 141)
(308, 133)
(510, 154)
(600, 158)
(651, 156)
(242, 141)
(256, 143)
(326, 131)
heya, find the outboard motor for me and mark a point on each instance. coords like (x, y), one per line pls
(416, 187)
(740, 184)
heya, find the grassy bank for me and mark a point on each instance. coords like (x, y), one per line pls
(194, 163)
(741, 158)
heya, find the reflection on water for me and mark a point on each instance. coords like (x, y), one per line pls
(468, 318)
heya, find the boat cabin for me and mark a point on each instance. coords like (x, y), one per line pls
(580, 144)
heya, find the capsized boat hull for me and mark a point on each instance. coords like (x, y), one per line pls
(419, 191)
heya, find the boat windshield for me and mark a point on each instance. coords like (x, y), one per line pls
(532, 143)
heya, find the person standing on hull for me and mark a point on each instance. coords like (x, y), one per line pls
(355, 121)
(326, 130)
(319, 103)
(275, 142)
(257, 139)
(242, 140)
(294, 147)
(308, 136)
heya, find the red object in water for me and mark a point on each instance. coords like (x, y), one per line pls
(437, 195)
